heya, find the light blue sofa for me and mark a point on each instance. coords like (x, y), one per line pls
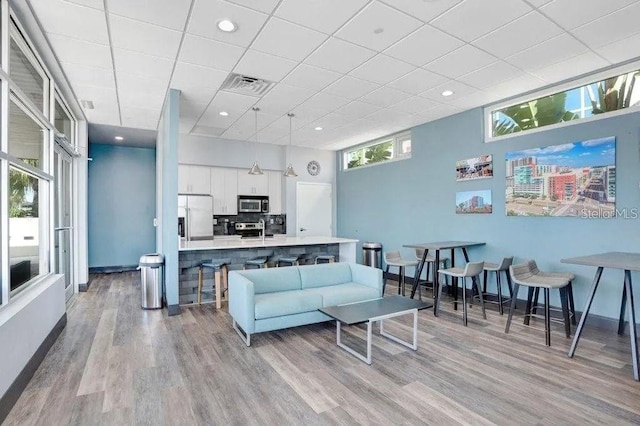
(275, 298)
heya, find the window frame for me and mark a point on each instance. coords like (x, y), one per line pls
(396, 152)
(554, 89)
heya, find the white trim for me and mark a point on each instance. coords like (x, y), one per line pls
(366, 166)
(395, 138)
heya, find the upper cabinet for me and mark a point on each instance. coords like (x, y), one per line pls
(194, 179)
(224, 188)
(275, 192)
(253, 184)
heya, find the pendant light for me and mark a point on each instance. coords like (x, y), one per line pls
(290, 172)
(255, 169)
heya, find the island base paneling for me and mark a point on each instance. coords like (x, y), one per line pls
(190, 261)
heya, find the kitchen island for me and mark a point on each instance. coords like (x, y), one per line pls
(235, 251)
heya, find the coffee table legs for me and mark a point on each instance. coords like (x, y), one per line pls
(367, 357)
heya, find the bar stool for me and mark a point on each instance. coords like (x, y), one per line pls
(430, 260)
(393, 258)
(256, 263)
(288, 261)
(471, 270)
(220, 279)
(502, 267)
(529, 275)
(324, 258)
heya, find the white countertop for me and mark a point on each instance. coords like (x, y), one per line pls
(277, 241)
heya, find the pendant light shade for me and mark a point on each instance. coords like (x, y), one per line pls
(255, 169)
(290, 172)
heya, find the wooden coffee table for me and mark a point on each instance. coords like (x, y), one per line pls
(375, 310)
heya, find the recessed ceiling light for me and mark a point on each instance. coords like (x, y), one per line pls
(318, 128)
(223, 113)
(119, 138)
(227, 26)
(447, 93)
(378, 31)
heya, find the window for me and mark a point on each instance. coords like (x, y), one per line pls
(26, 72)
(601, 97)
(26, 138)
(392, 147)
(63, 122)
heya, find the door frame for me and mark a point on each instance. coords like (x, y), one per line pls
(325, 184)
(63, 156)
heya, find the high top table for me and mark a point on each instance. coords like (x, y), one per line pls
(615, 260)
(437, 246)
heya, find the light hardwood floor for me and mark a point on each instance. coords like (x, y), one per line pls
(117, 364)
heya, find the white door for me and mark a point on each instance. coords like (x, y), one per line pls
(314, 209)
(63, 229)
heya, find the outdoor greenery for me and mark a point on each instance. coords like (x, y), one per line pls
(371, 154)
(22, 184)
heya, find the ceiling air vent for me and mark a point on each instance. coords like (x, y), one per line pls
(246, 85)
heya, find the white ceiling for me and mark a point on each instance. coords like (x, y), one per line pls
(360, 69)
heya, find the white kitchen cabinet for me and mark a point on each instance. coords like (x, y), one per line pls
(275, 192)
(253, 184)
(224, 188)
(194, 179)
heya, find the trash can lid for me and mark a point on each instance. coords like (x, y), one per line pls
(151, 259)
(370, 245)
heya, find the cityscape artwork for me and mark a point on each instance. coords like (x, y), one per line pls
(574, 179)
(473, 202)
(474, 168)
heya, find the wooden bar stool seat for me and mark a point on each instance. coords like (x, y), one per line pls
(288, 261)
(325, 258)
(220, 280)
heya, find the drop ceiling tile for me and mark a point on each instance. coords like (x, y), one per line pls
(273, 134)
(207, 13)
(423, 46)
(364, 28)
(109, 116)
(233, 103)
(576, 66)
(384, 97)
(355, 110)
(196, 84)
(496, 73)
(417, 81)
(459, 90)
(200, 130)
(238, 133)
(518, 35)
(96, 4)
(102, 98)
(145, 38)
(413, 105)
(141, 92)
(323, 102)
(283, 99)
(573, 13)
(331, 121)
(212, 118)
(507, 89)
(88, 76)
(191, 110)
(338, 55)
(387, 115)
(436, 113)
(539, 3)
(309, 77)
(80, 52)
(321, 15)
(548, 52)
(142, 65)
(472, 19)
(72, 20)
(140, 118)
(621, 50)
(165, 13)
(263, 65)
(350, 88)
(610, 28)
(287, 40)
(461, 61)
(382, 69)
(209, 53)
(425, 10)
(265, 6)
(475, 100)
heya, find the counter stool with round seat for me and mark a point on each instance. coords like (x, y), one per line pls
(471, 270)
(220, 279)
(393, 258)
(498, 269)
(430, 260)
(324, 258)
(288, 261)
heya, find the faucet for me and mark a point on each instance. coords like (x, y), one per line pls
(262, 230)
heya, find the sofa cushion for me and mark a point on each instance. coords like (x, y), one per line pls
(269, 305)
(343, 293)
(268, 280)
(324, 274)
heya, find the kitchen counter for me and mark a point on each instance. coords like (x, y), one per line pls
(275, 241)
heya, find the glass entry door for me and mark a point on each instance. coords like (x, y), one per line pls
(63, 229)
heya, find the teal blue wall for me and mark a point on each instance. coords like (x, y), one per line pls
(413, 201)
(121, 204)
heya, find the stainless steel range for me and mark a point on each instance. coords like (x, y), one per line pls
(249, 229)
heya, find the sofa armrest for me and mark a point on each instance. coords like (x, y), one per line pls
(367, 275)
(242, 301)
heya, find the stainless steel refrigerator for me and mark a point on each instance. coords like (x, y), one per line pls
(197, 211)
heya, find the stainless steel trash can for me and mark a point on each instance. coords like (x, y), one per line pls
(372, 254)
(151, 280)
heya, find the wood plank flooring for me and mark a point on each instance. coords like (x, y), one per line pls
(116, 364)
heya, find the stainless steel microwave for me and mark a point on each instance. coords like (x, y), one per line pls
(253, 204)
